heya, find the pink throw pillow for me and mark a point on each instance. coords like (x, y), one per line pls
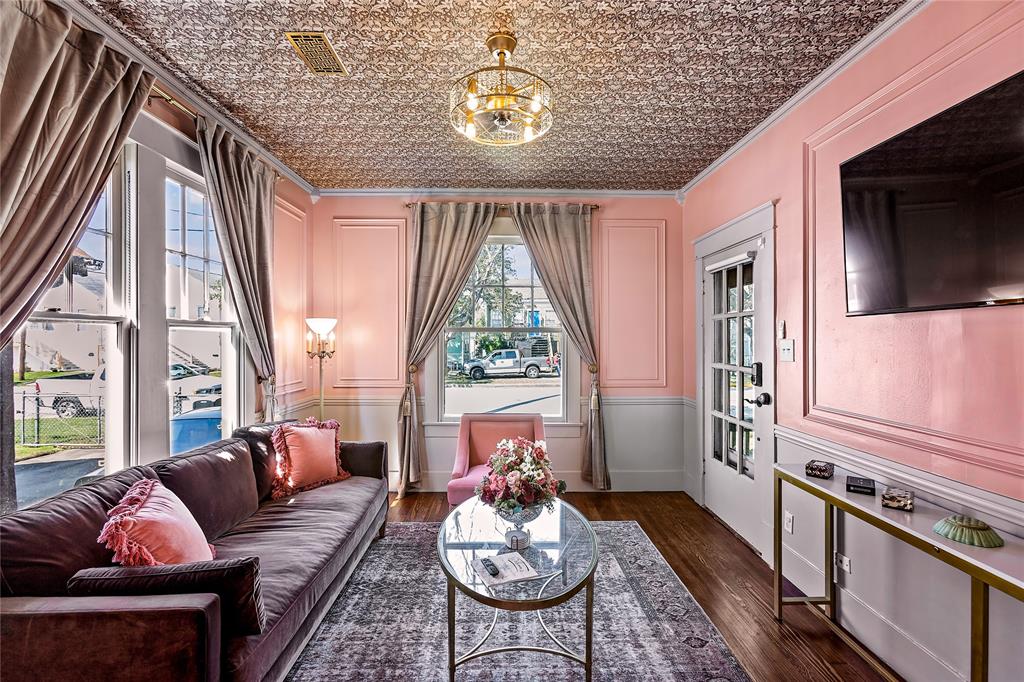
(308, 456)
(151, 526)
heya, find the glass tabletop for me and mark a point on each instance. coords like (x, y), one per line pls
(563, 551)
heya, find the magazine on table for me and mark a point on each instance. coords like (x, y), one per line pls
(511, 567)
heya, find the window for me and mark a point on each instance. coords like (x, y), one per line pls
(68, 364)
(503, 343)
(201, 362)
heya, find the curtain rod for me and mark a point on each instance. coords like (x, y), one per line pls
(156, 91)
(593, 207)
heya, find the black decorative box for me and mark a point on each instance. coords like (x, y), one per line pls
(859, 484)
(818, 469)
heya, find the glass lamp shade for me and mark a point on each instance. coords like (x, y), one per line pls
(501, 106)
(321, 326)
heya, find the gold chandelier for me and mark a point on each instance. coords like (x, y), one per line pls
(501, 105)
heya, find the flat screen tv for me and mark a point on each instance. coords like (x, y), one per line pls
(934, 217)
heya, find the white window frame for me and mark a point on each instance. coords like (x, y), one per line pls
(503, 231)
(231, 335)
(119, 360)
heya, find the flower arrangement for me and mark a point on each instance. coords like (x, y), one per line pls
(520, 477)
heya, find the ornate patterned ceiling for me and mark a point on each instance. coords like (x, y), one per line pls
(647, 93)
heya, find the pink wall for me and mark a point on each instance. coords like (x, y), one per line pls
(940, 391)
(357, 272)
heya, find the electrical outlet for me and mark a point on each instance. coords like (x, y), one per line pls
(843, 562)
(788, 523)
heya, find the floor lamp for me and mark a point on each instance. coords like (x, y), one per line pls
(320, 344)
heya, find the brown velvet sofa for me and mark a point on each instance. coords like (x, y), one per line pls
(307, 545)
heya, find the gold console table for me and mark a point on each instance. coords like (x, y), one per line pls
(1001, 568)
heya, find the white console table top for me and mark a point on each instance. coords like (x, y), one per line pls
(1007, 561)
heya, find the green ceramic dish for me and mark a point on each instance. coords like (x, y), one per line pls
(968, 530)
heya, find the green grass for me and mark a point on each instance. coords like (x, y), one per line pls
(30, 377)
(23, 452)
(53, 432)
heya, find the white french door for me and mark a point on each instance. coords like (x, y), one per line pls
(738, 384)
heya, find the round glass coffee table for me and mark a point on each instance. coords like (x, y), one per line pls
(563, 551)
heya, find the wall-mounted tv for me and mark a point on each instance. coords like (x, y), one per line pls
(934, 217)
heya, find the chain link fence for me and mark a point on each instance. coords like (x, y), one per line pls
(66, 420)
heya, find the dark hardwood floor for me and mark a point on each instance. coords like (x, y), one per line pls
(731, 583)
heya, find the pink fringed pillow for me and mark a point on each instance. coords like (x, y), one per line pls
(151, 526)
(308, 456)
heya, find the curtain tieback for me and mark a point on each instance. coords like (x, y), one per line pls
(410, 390)
(595, 398)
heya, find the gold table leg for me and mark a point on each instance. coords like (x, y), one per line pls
(979, 630)
(830, 560)
(451, 631)
(777, 546)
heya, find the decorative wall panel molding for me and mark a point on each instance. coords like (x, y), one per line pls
(924, 438)
(291, 295)
(632, 295)
(370, 287)
(660, 88)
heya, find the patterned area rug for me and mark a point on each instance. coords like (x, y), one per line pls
(390, 621)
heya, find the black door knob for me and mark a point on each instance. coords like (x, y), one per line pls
(763, 399)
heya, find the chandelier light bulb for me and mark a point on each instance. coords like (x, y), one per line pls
(470, 129)
(528, 133)
(535, 104)
(472, 102)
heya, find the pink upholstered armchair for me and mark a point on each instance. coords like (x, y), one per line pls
(478, 436)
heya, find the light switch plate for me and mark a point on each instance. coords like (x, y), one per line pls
(787, 351)
(788, 523)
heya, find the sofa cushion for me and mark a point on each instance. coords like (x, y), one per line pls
(302, 543)
(215, 482)
(42, 546)
(264, 464)
(308, 456)
(152, 527)
(235, 581)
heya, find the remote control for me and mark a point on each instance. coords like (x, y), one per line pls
(489, 565)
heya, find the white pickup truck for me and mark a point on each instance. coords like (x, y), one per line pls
(73, 394)
(503, 363)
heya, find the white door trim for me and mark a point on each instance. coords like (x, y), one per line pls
(757, 222)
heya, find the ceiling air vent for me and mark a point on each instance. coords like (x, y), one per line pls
(316, 51)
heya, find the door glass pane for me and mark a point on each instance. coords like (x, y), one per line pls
(734, 393)
(716, 439)
(748, 340)
(717, 403)
(748, 286)
(61, 397)
(732, 293)
(748, 452)
(717, 354)
(733, 341)
(172, 284)
(748, 398)
(731, 457)
(172, 214)
(195, 222)
(719, 297)
(196, 379)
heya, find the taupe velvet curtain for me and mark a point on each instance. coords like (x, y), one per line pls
(446, 240)
(558, 238)
(67, 103)
(241, 187)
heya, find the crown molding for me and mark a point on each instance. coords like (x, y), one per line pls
(491, 192)
(179, 90)
(882, 31)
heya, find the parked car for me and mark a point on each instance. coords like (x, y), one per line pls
(503, 363)
(72, 395)
(180, 370)
(195, 428)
